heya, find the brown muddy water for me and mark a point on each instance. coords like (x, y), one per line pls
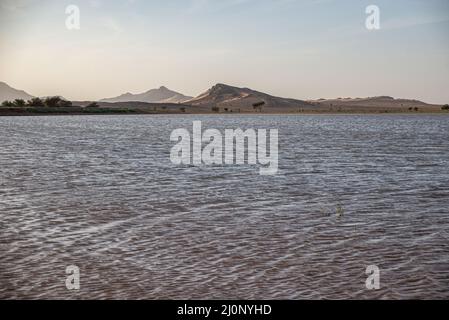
(100, 192)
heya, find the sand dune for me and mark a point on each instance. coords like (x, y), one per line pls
(244, 99)
(374, 104)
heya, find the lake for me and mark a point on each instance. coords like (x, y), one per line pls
(101, 193)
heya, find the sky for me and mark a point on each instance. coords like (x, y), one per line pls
(304, 49)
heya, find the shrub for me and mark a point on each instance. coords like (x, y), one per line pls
(20, 103)
(215, 109)
(35, 102)
(258, 105)
(7, 104)
(56, 102)
(52, 102)
(445, 107)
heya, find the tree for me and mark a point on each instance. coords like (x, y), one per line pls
(7, 104)
(52, 102)
(19, 103)
(416, 109)
(56, 102)
(35, 102)
(215, 109)
(445, 107)
(258, 105)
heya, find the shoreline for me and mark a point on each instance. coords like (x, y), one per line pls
(52, 114)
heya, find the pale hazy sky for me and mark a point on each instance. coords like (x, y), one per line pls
(292, 48)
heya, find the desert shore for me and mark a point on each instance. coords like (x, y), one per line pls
(219, 99)
(104, 111)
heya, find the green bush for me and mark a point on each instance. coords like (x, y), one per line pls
(52, 102)
(19, 103)
(7, 104)
(56, 102)
(35, 102)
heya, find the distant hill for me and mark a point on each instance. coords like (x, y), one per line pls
(380, 103)
(9, 93)
(244, 99)
(161, 95)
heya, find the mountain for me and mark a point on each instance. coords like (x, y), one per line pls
(161, 95)
(9, 93)
(244, 99)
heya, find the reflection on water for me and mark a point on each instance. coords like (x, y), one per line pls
(101, 193)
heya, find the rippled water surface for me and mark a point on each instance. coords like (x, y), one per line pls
(100, 192)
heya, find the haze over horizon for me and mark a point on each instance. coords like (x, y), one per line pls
(301, 49)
